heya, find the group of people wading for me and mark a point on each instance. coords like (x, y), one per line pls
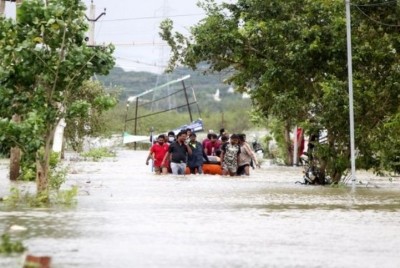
(176, 154)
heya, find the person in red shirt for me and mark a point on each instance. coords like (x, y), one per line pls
(157, 153)
(211, 146)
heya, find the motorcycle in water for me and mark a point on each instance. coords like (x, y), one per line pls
(312, 169)
(257, 148)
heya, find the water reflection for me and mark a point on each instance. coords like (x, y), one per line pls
(128, 217)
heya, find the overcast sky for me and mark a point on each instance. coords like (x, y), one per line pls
(133, 26)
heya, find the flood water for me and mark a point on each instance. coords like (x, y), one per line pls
(126, 216)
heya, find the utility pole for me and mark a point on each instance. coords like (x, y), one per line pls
(15, 152)
(59, 132)
(92, 22)
(2, 7)
(187, 101)
(295, 147)
(161, 61)
(92, 14)
(351, 107)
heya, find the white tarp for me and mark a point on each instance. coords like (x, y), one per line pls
(127, 138)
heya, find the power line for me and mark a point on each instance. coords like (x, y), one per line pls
(375, 4)
(154, 17)
(141, 62)
(376, 21)
(141, 44)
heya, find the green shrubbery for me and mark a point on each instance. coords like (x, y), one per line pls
(98, 153)
(7, 246)
(52, 196)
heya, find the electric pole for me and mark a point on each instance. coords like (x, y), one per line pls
(162, 75)
(351, 106)
(58, 140)
(92, 22)
(15, 152)
(92, 14)
(2, 7)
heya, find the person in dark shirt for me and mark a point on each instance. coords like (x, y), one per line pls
(196, 159)
(170, 137)
(221, 133)
(224, 139)
(178, 153)
(188, 131)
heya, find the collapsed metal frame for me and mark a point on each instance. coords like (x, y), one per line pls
(136, 98)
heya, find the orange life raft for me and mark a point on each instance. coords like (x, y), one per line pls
(209, 168)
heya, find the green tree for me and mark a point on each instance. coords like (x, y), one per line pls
(44, 62)
(290, 56)
(94, 100)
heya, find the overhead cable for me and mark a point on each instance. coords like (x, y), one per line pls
(376, 21)
(155, 17)
(375, 4)
(141, 62)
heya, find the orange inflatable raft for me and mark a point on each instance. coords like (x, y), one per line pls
(212, 168)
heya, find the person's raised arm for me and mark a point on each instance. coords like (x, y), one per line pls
(188, 149)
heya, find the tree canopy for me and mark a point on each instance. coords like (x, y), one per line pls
(290, 56)
(45, 60)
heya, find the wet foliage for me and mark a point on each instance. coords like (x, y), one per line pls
(291, 58)
(96, 154)
(8, 246)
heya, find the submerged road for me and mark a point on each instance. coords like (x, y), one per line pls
(126, 216)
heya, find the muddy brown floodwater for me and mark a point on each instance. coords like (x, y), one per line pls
(128, 217)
